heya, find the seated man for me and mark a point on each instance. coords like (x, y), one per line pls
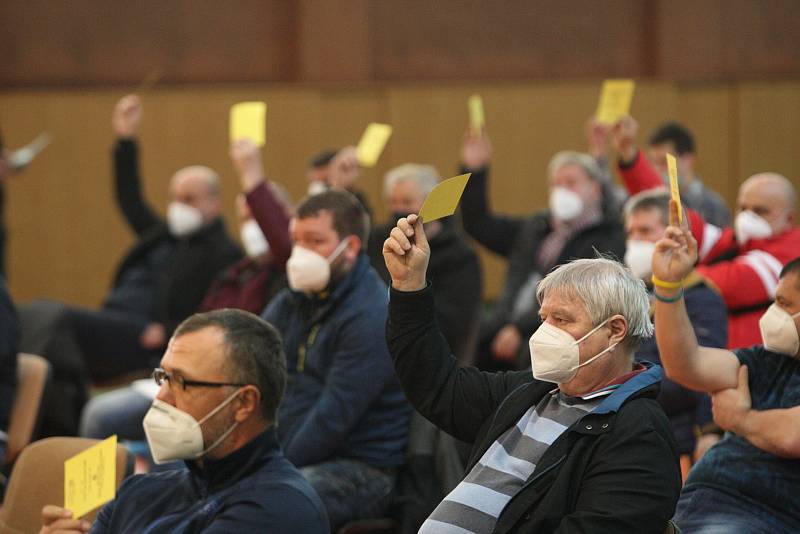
(160, 282)
(344, 420)
(221, 381)
(247, 285)
(592, 454)
(743, 262)
(646, 219)
(9, 339)
(676, 139)
(455, 269)
(577, 225)
(748, 481)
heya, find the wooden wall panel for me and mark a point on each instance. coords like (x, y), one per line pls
(67, 236)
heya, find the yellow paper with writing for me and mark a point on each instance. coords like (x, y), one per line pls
(477, 119)
(372, 142)
(247, 121)
(615, 100)
(672, 169)
(443, 200)
(90, 477)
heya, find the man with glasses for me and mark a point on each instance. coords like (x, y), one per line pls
(221, 381)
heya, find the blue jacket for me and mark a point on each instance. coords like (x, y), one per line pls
(342, 398)
(254, 489)
(686, 408)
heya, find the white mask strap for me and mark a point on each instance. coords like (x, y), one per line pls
(592, 331)
(338, 250)
(219, 407)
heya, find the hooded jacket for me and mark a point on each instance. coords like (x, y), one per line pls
(614, 470)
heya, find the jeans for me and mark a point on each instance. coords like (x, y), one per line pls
(117, 412)
(706, 510)
(350, 489)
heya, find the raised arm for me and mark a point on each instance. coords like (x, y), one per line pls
(458, 400)
(495, 232)
(699, 368)
(775, 431)
(268, 212)
(125, 120)
(636, 172)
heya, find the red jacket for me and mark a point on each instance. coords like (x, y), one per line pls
(745, 275)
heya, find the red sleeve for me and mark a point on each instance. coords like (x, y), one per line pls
(748, 280)
(273, 221)
(639, 175)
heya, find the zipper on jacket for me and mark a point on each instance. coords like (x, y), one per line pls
(303, 348)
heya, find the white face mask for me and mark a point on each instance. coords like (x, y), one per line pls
(749, 226)
(315, 187)
(183, 219)
(778, 331)
(565, 205)
(639, 257)
(555, 354)
(175, 435)
(253, 240)
(308, 271)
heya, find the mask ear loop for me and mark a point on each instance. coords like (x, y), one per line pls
(338, 250)
(593, 358)
(211, 414)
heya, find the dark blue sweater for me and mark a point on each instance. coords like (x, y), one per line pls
(254, 489)
(686, 408)
(342, 399)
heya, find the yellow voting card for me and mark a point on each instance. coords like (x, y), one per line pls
(615, 100)
(476, 117)
(672, 169)
(247, 121)
(443, 200)
(372, 142)
(90, 477)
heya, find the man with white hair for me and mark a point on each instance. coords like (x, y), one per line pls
(592, 454)
(744, 261)
(455, 267)
(578, 224)
(160, 282)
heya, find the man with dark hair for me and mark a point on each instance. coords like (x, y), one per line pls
(675, 139)
(221, 382)
(748, 481)
(345, 420)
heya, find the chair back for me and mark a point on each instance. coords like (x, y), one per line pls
(32, 374)
(38, 479)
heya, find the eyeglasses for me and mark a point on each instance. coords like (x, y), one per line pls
(161, 376)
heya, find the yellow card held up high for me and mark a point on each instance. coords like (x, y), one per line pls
(672, 169)
(443, 200)
(90, 477)
(247, 121)
(615, 100)
(372, 142)
(476, 117)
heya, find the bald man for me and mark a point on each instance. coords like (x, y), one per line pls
(743, 262)
(160, 282)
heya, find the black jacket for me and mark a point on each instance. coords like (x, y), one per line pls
(518, 239)
(189, 265)
(455, 271)
(614, 470)
(9, 344)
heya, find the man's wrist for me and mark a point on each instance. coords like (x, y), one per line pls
(409, 286)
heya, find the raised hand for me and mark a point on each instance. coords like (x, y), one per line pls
(476, 152)
(406, 253)
(344, 169)
(246, 159)
(623, 138)
(676, 252)
(127, 116)
(597, 137)
(57, 520)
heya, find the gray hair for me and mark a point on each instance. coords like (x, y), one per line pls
(606, 288)
(206, 174)
(648, 200)
(570, 157)
(425, 176)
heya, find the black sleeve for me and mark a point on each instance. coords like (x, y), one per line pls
(458, 299)
(128, 188)
(456, 399)
(495, 232)
(9, 344)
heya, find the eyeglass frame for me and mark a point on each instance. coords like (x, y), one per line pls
(159, 375)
